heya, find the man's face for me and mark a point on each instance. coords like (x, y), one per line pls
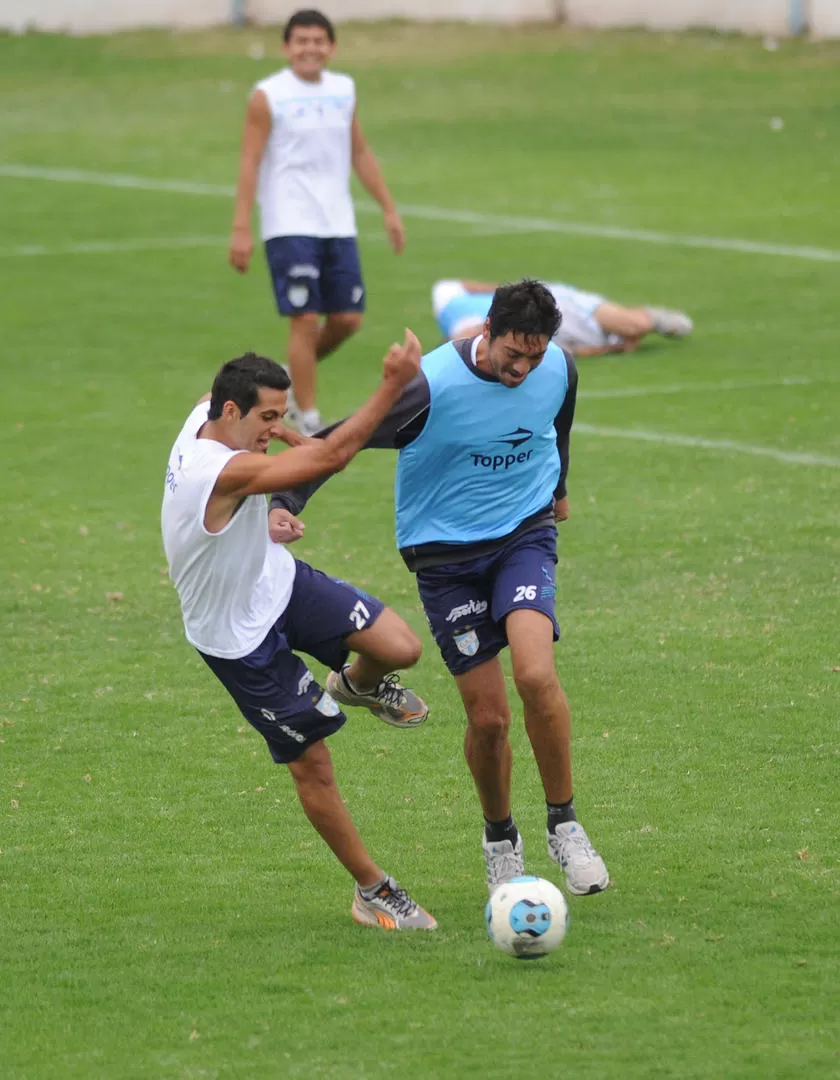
(255, 430)
(512, 357)
(308, 50)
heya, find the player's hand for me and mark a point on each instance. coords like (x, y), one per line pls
(561, 509)
(284, 527)
(402, 362)
(293, 438)
(241, 248)
(395, 230)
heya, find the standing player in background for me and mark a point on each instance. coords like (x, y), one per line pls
(591, 326)
(483, 440)
(248, 605)
(302, 137)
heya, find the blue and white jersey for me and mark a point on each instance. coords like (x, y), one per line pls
(458, 312)
(486, 458)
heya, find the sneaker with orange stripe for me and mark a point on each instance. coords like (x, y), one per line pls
(392, 702)
(391, 908)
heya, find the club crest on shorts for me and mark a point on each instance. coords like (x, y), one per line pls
(297, 295)
(357, 294)
(467, 642)
(327, 705)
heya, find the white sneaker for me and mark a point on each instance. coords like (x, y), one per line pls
(504, 861)
(670, 323)
(391, 908)
(585, 870)
(309, 421)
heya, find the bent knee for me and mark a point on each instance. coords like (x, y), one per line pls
(407, 649)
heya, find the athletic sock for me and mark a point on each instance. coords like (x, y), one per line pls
(560, 813)
(496, 831)
(351, 686)
(369, 891)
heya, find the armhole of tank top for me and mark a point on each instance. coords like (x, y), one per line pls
(205, 499)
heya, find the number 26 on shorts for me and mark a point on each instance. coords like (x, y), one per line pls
(525, 592)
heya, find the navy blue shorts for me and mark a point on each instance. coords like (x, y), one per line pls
(274, 689)
(311, 274)
(467, 603)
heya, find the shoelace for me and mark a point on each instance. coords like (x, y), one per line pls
(396, 898)
(503, 867)
(578, 840)
(389, 691)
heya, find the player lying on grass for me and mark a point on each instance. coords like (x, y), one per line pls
(249, 606)
(483, 440)
(591, 325)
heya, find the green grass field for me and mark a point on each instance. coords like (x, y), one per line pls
(166, 911)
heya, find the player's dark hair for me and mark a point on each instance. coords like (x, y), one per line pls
(308, 17)
(239, 381)
(525, 307)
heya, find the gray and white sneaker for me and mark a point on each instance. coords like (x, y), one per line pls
(389, 700)
(670, 323)
(504, 861)
(391, 908)
(585, 870)
(309, 422)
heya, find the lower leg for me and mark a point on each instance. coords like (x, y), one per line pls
(547, 717)
(624, 321)
(388, 645)
(490, 760)
(301, 351)
(548, 724)
(487, 747)
(337, 328)
(322, 803)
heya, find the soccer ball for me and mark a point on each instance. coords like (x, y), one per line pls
(527, 917)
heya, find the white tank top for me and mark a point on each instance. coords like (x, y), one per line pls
(304, 181)
(233, 584)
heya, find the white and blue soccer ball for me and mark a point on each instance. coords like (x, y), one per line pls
(527, 917)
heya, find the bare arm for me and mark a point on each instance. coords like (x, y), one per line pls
(254, 137)
(254, 474)
(367, 169)
(563, 427)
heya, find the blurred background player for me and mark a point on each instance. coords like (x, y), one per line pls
(591, 326)
(301, 138)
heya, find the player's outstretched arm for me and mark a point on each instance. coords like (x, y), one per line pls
(254, 474)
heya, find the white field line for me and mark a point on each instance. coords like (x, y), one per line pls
(723, 445)
(505, 223)
(501, 222)
(113, 247)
